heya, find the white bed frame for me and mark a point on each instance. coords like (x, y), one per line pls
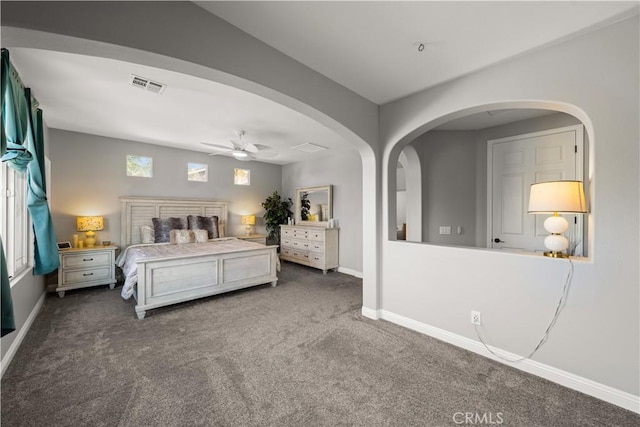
(166, 281)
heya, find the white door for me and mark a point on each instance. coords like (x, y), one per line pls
(514, 164)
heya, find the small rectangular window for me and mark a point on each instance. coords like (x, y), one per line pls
(197, 172)
(241, 176)
(140, 166)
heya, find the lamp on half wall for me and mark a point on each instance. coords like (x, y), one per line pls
(90, 224)
(556, 197)
(249, 221)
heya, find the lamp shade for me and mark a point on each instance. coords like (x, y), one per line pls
(248, 220)
(557, 197)
(90, 223)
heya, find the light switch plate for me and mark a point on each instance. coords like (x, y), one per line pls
(445, 229)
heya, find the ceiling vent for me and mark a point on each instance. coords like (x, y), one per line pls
(309, 147)
(146, 84)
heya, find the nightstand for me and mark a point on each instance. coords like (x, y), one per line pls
(256, 238)
(81, 268)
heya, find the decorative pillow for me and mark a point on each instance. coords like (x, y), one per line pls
(147, 234)
(200, 236)
(178, 237)
(209, 223)
(163, 226)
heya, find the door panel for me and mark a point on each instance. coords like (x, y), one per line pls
(514, 164)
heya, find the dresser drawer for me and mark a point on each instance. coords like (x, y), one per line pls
(294, 254)
(300, 244)
(300, 234)
(301, 255)
(316, 247)
(316, 236)
(316, 260)
(287, 232)
(78, 276)
(285, 242)
(87, 260)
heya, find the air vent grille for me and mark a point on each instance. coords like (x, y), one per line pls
(309, 148)
(147, 84)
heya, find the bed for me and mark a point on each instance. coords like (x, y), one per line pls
(167, 273)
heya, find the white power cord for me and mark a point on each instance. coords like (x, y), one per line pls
(561, 303)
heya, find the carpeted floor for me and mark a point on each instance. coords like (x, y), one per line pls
(299, 354)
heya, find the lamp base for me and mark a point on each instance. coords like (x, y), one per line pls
(554, 254)
(90, 241)
(248, 230)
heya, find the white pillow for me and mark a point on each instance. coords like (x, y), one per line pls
(200, 236)
(147, 235)
(178, 237)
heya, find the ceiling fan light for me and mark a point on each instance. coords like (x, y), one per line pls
(240, 154)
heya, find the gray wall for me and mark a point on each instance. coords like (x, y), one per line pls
(448, 160)
(596, 78)
(344, 172)
(27, 291)
(89, 176)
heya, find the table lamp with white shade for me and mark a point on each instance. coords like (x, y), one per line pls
(556, 197)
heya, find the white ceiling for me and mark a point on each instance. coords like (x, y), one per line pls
(93, 95)
(368, 47)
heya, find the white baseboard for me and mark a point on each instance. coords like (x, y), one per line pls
(22, 332)
(567, 379)
(350, 272)
(370, 313)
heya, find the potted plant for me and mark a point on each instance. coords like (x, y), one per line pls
(276, 212)
(305, 206)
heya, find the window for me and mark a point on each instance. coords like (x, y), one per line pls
(197, 172)
(242, 176)
(15, 225)
(140, 166)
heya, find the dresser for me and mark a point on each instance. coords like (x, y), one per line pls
(312, 246)
(81, 268)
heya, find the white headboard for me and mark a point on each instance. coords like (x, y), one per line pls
(138, 211)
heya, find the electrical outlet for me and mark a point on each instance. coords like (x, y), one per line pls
(475, 318)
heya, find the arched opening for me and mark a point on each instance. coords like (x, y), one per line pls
(359, 130)
(456, 204)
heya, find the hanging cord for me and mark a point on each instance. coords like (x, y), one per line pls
(561, 303)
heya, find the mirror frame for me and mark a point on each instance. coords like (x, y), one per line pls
(299, 191)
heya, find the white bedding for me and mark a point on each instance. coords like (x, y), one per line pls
(127, 260)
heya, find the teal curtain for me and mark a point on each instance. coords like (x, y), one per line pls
(22, 142)
(8, 323)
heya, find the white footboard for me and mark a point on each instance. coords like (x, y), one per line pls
(165, 281)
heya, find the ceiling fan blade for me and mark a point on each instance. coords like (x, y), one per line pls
(218, 146)
(265, 151)
(251, 148)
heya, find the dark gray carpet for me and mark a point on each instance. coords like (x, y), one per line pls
(299, 354)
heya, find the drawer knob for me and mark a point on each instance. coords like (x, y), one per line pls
(87, 259)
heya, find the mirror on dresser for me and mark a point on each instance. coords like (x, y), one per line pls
(313, 205)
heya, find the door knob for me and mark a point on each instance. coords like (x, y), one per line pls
(497, 240)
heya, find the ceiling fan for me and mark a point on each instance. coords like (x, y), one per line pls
(243, 150)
